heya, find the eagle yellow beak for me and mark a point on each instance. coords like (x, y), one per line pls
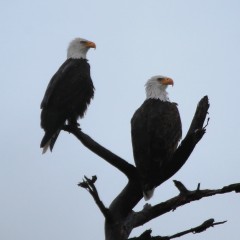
(167, 81)
(90, 44)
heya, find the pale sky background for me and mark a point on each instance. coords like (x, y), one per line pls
(197, 43)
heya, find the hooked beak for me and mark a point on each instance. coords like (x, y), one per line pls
(90, 44)
(167, 81)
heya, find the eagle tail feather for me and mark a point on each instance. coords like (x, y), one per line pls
(48, 141)
(147, 194)
(46, 146)
(53, 140)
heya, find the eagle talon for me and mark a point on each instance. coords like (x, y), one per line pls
(73, 124)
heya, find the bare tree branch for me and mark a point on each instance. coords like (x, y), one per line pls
(118, 162)
(203, 227)
(88, 184)
(199, 117)
(185, 196)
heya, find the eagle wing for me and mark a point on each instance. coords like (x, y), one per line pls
(66, 84)
(55, 81)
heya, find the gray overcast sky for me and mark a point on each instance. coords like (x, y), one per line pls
(197, 43)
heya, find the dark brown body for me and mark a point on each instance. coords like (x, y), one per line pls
(156, 131)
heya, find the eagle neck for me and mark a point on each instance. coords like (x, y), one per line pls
(79, 54)
(160, 93)
(82, 56)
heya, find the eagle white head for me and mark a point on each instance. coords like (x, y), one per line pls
(156, 87)
(78, 48)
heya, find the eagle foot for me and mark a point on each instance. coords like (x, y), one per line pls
(73, 123)
(71, 127)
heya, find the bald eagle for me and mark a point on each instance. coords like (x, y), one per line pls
(68, 94)
(156, 130)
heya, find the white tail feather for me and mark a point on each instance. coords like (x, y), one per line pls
(46, 147)
(148, 194)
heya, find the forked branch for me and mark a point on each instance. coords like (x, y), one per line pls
(150, 212)
(89, 185)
